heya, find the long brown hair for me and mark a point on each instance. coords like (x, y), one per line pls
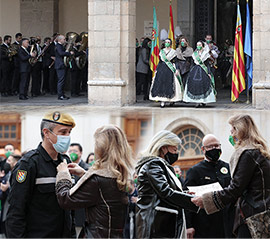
(113, 150)
(248, 133)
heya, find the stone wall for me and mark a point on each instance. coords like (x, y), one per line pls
(261, 53)
(111, 78)
(39, 17)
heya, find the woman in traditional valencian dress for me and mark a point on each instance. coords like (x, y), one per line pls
(167, 84)
(200, 86)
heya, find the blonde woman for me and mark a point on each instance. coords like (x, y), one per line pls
(102, 189)
(250, 184)
(160, 197)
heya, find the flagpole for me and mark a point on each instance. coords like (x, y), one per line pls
(248, 101)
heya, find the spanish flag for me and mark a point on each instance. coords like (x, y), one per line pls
(154, 59)
(171, 28)
(238, 76)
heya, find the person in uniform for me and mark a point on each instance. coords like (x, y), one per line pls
(210, 170)
(34, 210)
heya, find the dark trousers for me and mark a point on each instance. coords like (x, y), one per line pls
(75, 82)
(6, 79)
(142, 84)
(46, 77)
(53, 80)
(84, 78)
(36, 78)
(24, 83)
(16, 79)
(61, 75)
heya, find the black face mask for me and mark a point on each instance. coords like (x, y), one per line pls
(170, 157)
(213, 154)
(6, 168)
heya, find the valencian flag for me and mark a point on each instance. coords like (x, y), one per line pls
(248, 50)
(238, 76)
(171, 28)
(154, 59)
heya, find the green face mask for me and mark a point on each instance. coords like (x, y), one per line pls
(182, 43)
(136, 180)
(177, 175)
(149, 44)
(167, 44)
(208, 41)
(92, 163)
(73, 157)
(8, 153)
(199, 47)
(231, 140)
(137, 44)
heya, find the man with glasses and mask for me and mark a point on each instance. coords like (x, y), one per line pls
(210, 170)
(34, 210)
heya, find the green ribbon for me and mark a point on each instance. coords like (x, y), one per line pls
(172, 68)
(202, 65)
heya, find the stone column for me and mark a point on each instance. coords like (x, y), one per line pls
(261, 54)
(111, 71)
(39, 17)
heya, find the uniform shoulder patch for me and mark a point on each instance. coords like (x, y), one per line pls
(21, 176)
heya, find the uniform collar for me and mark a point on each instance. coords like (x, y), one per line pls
(46, 156)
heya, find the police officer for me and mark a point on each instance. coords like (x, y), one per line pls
(34, 210)
(210, 170)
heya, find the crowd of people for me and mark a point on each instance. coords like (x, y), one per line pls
(183, 74)
(29, 68)
(51, 192)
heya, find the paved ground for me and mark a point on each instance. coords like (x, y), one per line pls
(12, 103)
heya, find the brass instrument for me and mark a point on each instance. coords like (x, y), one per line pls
(32, 60)
(12, 51)
(82, 59)
(71, 38)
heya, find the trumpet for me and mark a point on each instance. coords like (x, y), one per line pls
(33, 60)
(71, 38)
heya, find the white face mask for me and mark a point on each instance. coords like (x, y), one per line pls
(62, 144)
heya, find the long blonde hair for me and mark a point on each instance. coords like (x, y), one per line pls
(248, 133)
(162, 138)
(112, 149)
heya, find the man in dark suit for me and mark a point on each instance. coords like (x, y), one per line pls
(6, 66)
(60, 66)
(53, 76)
(25, 68)
(46, 61)
(16, 68)
(36, 70)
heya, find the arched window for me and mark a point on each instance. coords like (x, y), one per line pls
(190, 152)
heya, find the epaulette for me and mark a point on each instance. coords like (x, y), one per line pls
(29, 155)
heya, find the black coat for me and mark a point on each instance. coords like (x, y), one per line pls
(219, 224)
(79, 214)
(24, 60)
(34, 210)
(59, 56)
(249, 187)
(160, 201)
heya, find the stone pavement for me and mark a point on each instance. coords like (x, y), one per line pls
(12, 103)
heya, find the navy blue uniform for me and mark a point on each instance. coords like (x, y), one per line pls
(219, 224)
(34, 210)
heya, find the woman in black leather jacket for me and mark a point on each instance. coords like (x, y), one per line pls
(160, 197)
(250, 184)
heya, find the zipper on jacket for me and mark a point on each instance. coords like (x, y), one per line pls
(109, 213)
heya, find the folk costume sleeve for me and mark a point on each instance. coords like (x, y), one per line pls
(160, 184)
(22, 183)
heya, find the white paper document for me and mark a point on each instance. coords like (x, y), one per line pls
(200, 190)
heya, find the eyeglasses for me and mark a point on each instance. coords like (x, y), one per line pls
(214, 146)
